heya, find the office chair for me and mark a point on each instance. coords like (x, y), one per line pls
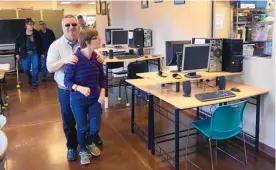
(132, 69)
(225, 122)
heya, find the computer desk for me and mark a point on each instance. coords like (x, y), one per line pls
(123, 48)
(179, 102)
(114, 60)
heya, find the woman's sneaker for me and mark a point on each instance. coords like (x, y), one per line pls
(84, 157)
(93, 149)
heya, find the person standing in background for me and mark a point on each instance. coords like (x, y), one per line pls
(82, 22)
(28, 48)
(48, 37)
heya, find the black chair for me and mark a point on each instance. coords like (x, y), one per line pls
(132, 69)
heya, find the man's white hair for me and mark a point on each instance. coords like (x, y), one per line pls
(67, 16)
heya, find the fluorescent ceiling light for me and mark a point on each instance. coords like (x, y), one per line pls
(65, 2)
(90, 3)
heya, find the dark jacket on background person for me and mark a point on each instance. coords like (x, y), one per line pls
(20, 43)
(47, 38)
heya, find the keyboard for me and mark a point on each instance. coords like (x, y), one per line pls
(128, 56)
(209, 96)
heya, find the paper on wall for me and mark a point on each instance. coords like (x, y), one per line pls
(219, 21)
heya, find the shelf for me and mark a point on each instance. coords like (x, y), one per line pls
(243, 22)
(253, 9)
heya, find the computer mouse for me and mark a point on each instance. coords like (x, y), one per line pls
(235, 89)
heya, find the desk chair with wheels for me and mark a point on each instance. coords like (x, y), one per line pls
(133, 68)
(225, 122)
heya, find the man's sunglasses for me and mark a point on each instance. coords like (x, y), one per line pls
(73, 24)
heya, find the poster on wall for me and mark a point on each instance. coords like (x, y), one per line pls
(108, 14)
(179, 1)
(144, 4)
(98, 7)
(219, 21)
(103, 7)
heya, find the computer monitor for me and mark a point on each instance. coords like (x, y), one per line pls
(173, 49)
(9, 30)
(108, 35)
(119, 37)
(195, 59)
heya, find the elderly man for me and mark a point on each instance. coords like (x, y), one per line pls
(82, 22)
(48, 37)
(60, 54)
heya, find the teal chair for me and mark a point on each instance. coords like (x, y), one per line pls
(225, 122)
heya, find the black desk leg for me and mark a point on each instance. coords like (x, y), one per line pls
(147, 61)
(197, 113)
(159, 64)
(150, 113)
(257, 130)
(5, 87)
(106, 85)
(176, 145)
(177, 87)
(132, 109)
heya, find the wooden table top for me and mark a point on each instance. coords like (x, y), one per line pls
(179, 101)
(119, 49)
(169, 79)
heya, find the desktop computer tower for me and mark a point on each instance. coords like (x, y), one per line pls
(215, 62)
(136, 38)
(232, 55)
(147, 38)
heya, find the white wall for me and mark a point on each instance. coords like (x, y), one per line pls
(182, 22)
(167, 21)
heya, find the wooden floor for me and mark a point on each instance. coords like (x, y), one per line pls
(36, 139)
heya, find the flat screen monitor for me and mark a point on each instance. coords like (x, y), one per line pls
(173, 49)
(9, 30)
(108, 34)
(119, 37)
(195, 59)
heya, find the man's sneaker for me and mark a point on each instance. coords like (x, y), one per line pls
(34, 86)
(43, 79)
(93, 149)
(84, 157)
(71, 154)
(99, 141)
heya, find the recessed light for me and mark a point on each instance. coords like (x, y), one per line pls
(92, 3)
(65, 2)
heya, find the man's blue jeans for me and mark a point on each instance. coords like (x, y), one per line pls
(28, 61)
(68, 119)
(43, 65)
